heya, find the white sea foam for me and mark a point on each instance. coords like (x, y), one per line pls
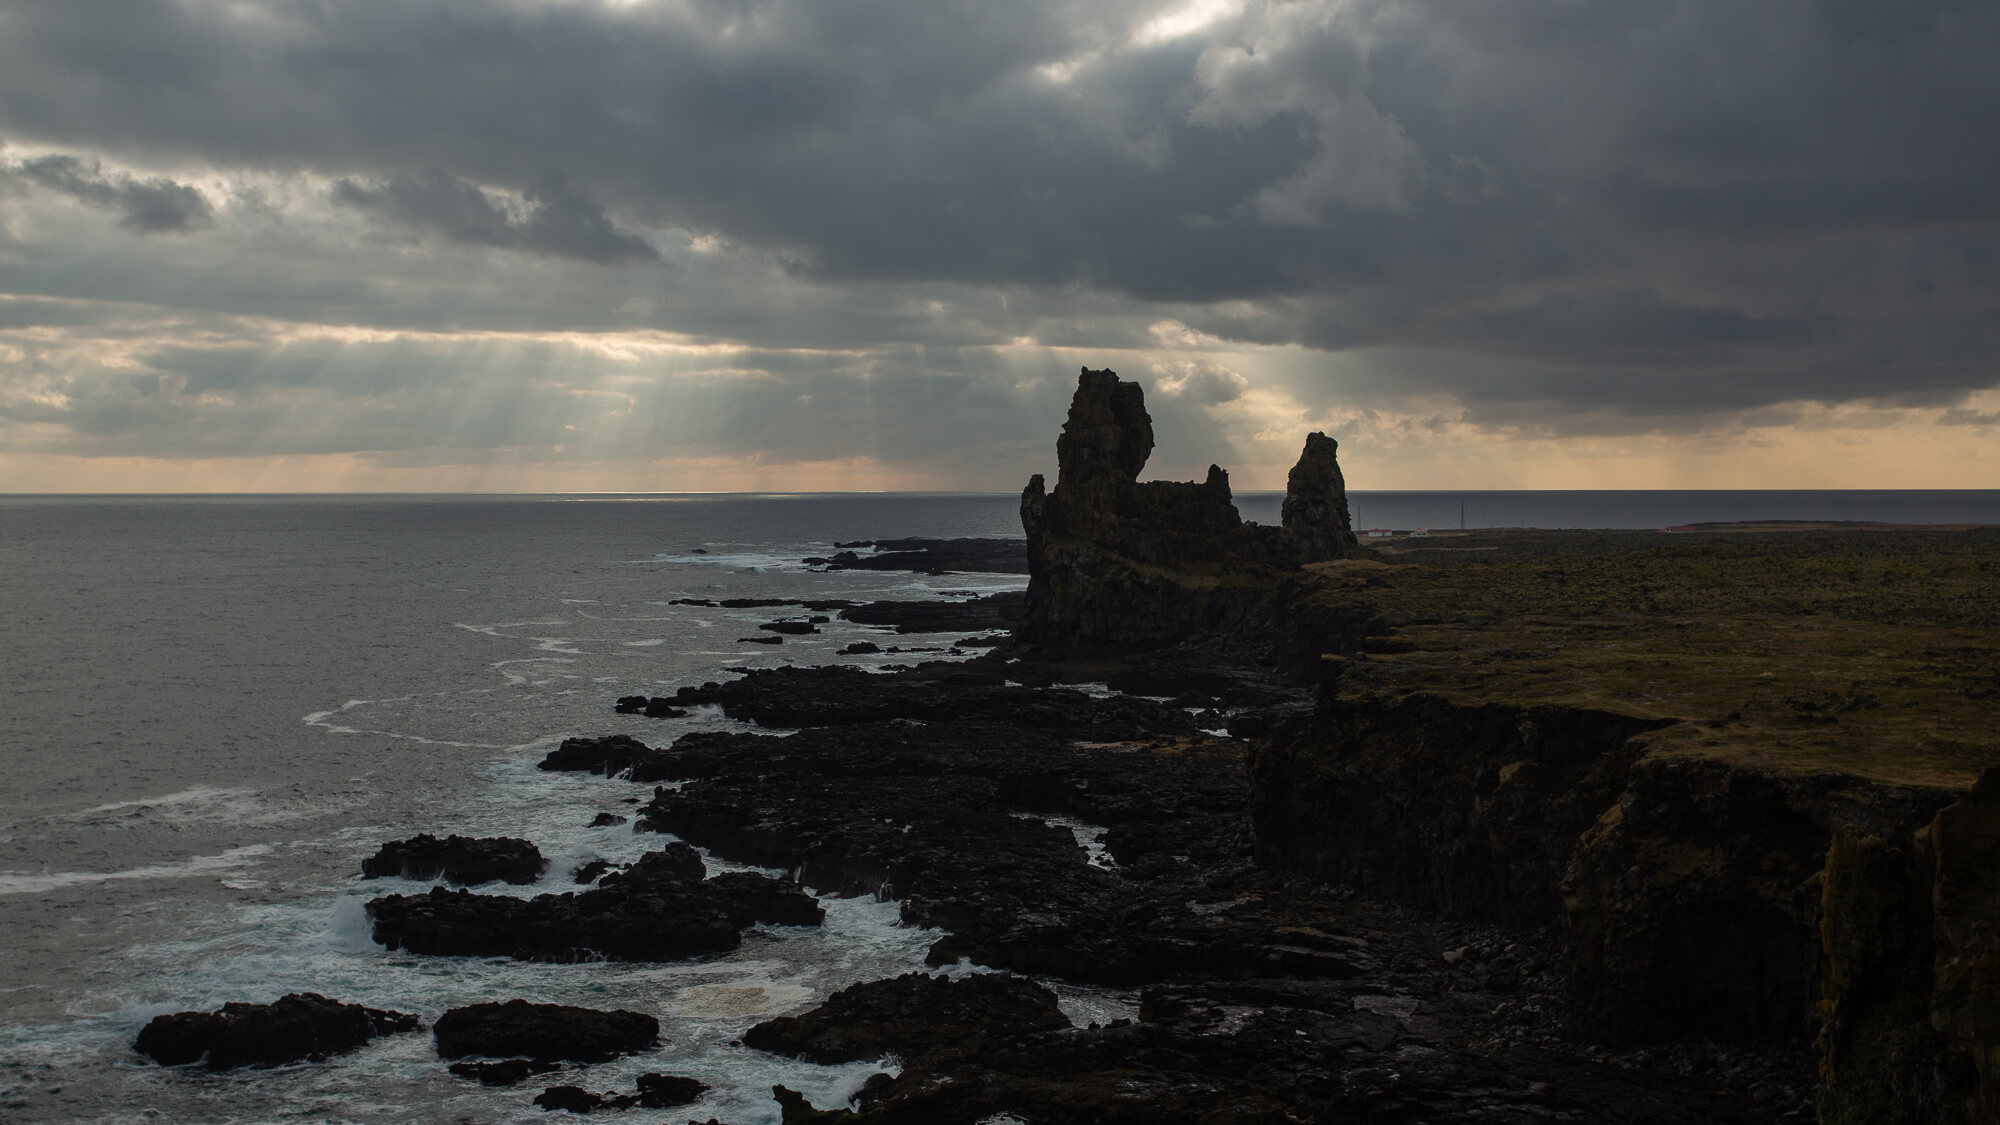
(19, 882)
(1086, 835)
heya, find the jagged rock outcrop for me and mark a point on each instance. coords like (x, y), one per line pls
(915, 1017)
(1116, 562)
(464, 860)
(303, 1025)
(658, 909)
(1315, 509)
(543, 1031)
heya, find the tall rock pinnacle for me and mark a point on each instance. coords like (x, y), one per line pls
(1112, 560)
(1108, 430)
(1315, 508)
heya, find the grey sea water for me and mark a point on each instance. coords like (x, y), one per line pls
(216, 707)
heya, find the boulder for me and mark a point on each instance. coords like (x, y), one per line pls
(677, 862)
(303, 1025)
(664, 1091)
(506, 1072)
(544, 1032)
(465, 860)
(611, 756)
(656, 1091)
(574, 1099)
(650, 912)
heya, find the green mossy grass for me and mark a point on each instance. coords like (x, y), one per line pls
(1873, 653)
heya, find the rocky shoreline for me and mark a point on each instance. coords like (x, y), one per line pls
(1354, 857)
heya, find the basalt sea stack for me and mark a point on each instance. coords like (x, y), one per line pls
(1114, 562)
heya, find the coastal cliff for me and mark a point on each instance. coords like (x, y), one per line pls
(1743, 782)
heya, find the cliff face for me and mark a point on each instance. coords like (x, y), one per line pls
(1741, 797)
(1117, 563)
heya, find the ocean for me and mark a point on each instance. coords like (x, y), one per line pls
(218, 706)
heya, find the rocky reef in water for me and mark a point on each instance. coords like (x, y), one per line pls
(1486, 827)
(1115, 562)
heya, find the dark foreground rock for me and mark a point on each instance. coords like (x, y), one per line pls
(303, 1025)
(544, 1032)
(652, 709)
(790, 628)
(659, 909)
(465, 860)
(1266, 1053)
(994, 611)
(656, 1091)
(915, 1017)
(1266, 999)
(793, 696)
(506, 1072)
(612, 756)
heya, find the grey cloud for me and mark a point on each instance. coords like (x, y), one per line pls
(1624, 212)
(559, 220)
(1201, 381)
(156, 205)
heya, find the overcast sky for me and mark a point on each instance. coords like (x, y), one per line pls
(810, 244)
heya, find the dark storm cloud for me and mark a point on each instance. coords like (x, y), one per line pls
(156, 205)
(1635, 213)
(560, 221)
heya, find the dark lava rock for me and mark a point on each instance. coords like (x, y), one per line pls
(677, 863)
(649, 912)
(861, 648)
(934, 556)
(930, 814)
(760, 640)
(790, 628)
(1315, 508)
(303, 1025)
(607, 820)
(914, 1016)
(834, 695)
(994, 612)
(654, 708)
(610, 756)
(574, 1099)
(1109, 555)
(656, 1091)
(507, 1072)
(464, 860)
(588, 873)
(663, 1091)
(1277, 1054)
(544, 1031)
